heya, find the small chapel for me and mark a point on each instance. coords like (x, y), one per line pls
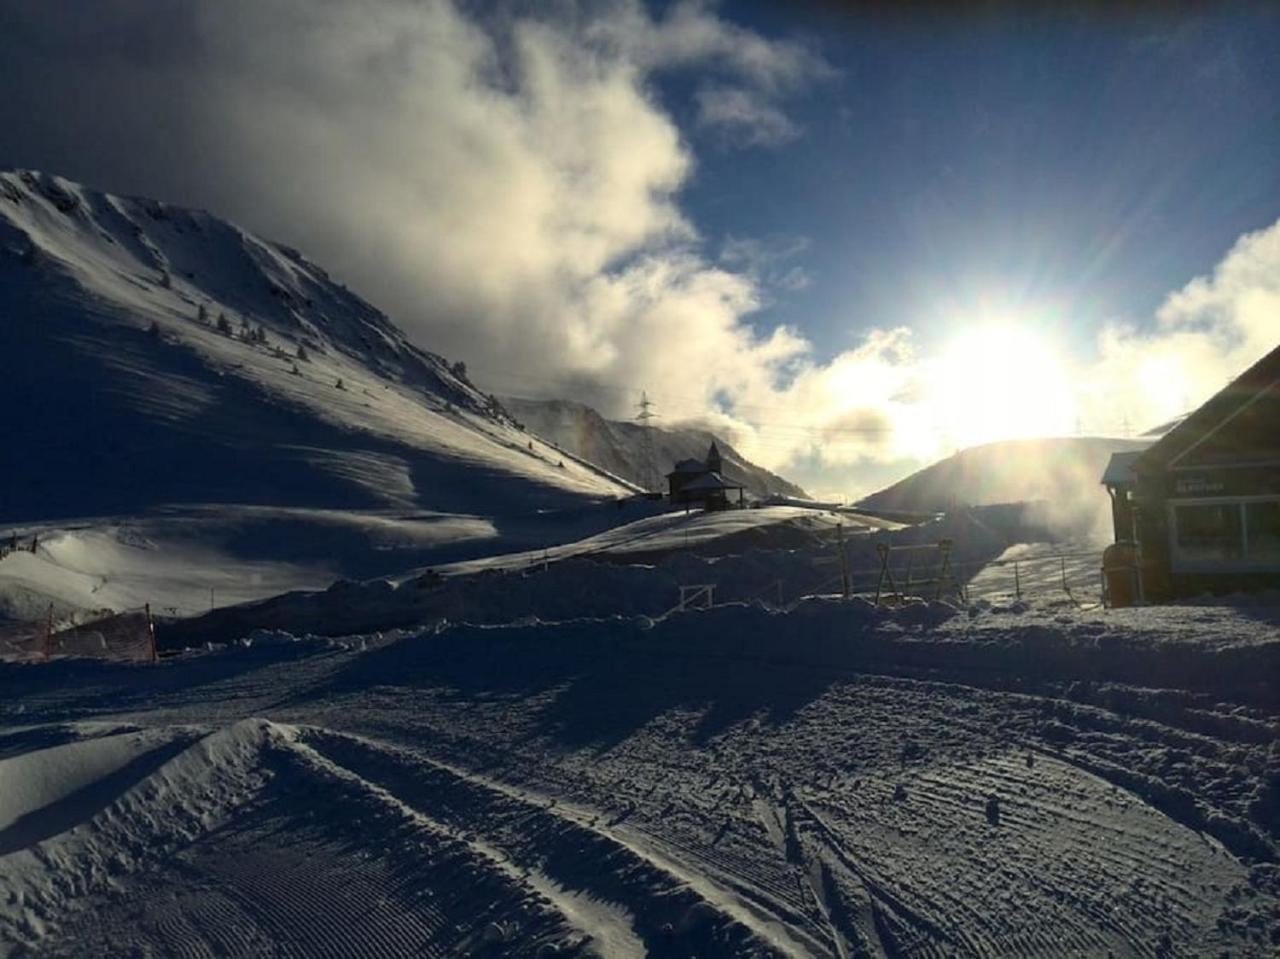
(702, 483)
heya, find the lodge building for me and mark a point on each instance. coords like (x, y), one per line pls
(1199, 510)
(702, 483)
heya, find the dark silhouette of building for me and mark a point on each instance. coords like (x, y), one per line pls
(1201, 506)
(701, 483)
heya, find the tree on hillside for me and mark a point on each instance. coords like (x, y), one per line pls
(224, 325)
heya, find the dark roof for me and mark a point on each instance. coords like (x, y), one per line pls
(1204, 421)
(711, 481)
(689, 466)
(1119, 470)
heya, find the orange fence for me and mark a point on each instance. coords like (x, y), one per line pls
(128, 636)
(23, 641)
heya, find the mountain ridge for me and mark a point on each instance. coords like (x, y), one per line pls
(1063, 473)
(618, 445)
(161, 354)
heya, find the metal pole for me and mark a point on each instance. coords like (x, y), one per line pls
(844, 561)
(151, 632)
(883, 551)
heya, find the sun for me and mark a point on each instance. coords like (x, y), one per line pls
(999, 381)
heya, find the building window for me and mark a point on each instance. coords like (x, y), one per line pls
(1210, 532)
(1242, 534)
(1262, 529)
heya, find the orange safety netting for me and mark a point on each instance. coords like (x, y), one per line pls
(127, 636)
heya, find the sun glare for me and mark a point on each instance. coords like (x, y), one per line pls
(1001, 381)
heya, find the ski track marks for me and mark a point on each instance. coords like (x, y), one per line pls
(806, 814)
(349, 848)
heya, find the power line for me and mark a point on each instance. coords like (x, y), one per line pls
(742, 410)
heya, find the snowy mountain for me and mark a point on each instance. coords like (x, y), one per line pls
(618, 446)
(158, 355)
(1063, 472)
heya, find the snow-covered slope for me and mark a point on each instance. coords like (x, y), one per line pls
(1063, 472)
(838, 780)
(619, 446)
(155, 354)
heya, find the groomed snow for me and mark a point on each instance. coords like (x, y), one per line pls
(840, 779)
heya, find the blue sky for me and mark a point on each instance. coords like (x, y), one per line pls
(1076, 169)
(850, 242)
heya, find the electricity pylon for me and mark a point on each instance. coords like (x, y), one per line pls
(648, 472)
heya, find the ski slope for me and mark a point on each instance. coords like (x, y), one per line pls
(132, 396)
(195, 417)
(833, 781)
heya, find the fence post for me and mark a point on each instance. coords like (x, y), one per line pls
(151, 632)
(944, 568)
(844, 561)
(1017, 582)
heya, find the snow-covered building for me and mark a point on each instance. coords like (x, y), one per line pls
(1202, 504)
(702, 482)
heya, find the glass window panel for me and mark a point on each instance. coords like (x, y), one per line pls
(1212, 531)
(1263, 523)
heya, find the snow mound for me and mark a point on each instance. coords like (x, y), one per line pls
(1062, 476)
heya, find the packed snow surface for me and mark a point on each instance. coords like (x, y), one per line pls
(183, 561)
(834, 780)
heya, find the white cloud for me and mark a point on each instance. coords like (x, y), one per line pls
(508, 189)
(1205, 334)
(692, 35)
(744, 117)
(768, 261)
